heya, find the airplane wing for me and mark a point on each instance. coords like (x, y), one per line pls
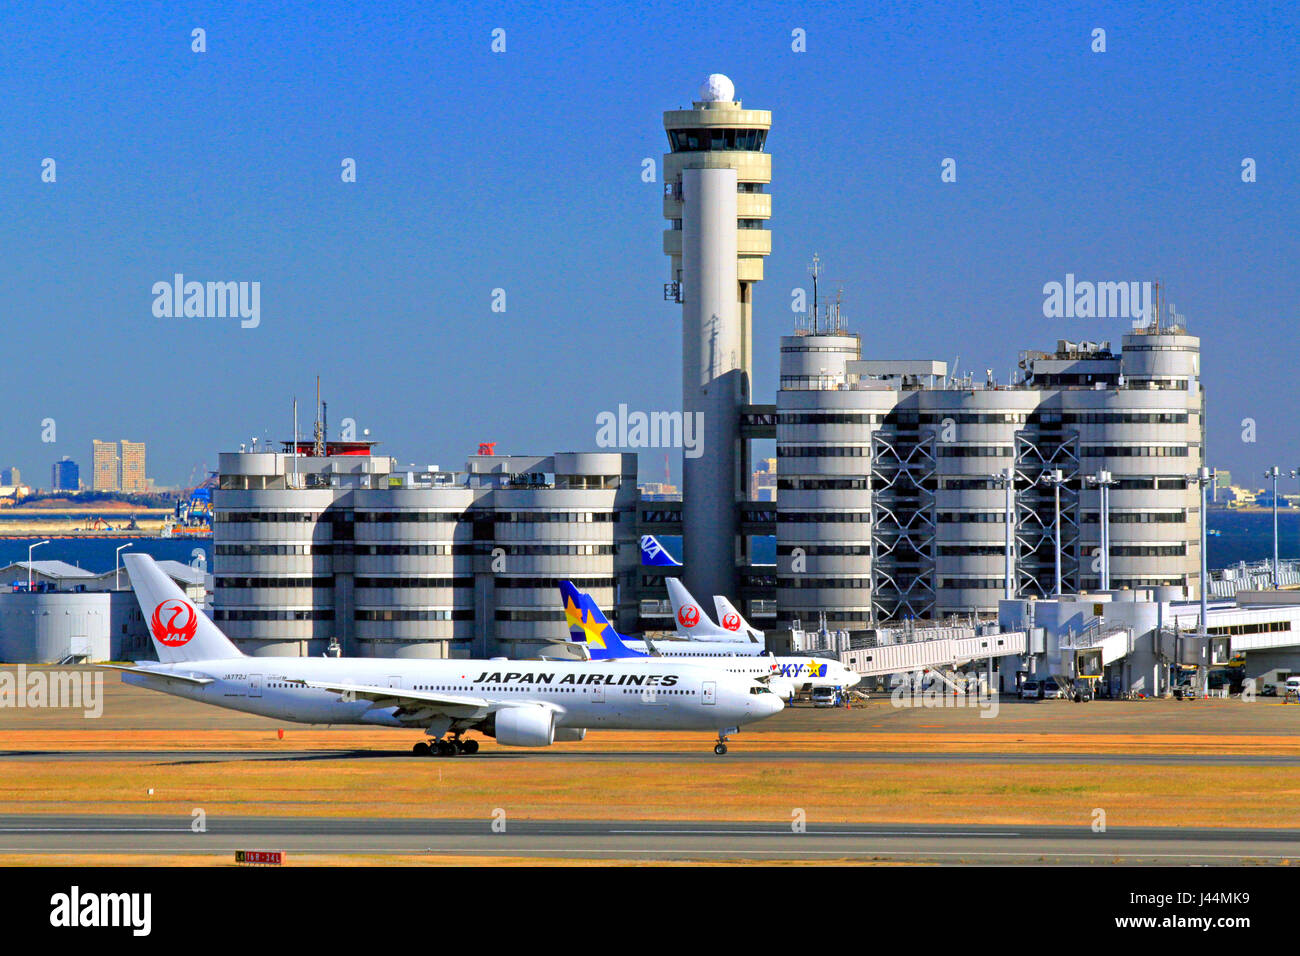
(183, 678)
(452, 705)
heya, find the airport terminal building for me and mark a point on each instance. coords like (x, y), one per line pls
(335, 550)
(899, 483)
(892, 494)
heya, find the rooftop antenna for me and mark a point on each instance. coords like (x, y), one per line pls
(837, 323)
(318, 433)
(815, 270)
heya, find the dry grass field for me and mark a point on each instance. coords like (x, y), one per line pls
(369, 772)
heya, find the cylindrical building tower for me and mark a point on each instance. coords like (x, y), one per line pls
(715, 198)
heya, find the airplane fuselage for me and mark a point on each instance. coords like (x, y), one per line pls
(627, 695)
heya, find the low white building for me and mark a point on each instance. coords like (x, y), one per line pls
(74, 614)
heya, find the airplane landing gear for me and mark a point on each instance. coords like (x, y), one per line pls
(721, 747)
(445, 747)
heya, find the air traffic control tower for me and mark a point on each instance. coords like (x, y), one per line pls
(715, 198)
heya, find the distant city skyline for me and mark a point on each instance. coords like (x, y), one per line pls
(523, 172)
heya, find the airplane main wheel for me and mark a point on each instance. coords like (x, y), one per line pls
(446, 748)
(720, 749)
(421, 749)
(471, 746)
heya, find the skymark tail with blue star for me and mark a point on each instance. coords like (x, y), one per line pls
(588, 625)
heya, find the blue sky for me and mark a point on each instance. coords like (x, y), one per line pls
(522, 171)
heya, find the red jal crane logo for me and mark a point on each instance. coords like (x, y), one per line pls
(688, 616)
(174, 623)
(731, 621)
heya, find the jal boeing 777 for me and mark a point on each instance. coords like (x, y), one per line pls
(520, 703)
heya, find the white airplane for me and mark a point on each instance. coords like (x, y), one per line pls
(806, 673)
(733, 621)
(694, 624)
(520, 703)
(787, 676)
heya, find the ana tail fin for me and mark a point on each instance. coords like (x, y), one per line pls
(179, 630)
(655, 555)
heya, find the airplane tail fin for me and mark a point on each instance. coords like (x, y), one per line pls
(732, 620)
(690, 618)
(655, 555)
(179, 630)
(588, 625)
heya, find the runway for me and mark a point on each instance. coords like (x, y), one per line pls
(641, 756)
(651, 841)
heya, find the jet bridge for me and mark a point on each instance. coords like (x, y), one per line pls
(934, 653)
(1085, 656)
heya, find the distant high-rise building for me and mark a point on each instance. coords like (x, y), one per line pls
(762, 483)
(119, 466)
(65, 475)
(106, 472)
(10, 476)
(132, 459)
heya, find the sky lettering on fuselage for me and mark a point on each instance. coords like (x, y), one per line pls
(609, 680)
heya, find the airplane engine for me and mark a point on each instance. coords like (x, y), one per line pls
(524, 726)
(568, 734)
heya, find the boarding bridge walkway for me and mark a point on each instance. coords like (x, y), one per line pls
(1084, 656)
(1256, 576)
(933, 654)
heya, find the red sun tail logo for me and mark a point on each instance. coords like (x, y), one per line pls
(174, 623)
(731, 621)
(688, 616)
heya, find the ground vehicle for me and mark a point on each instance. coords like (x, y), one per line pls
(825, 697)
(1030, 690)
(1052, 690)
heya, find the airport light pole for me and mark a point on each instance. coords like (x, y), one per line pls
(117, 566)
(1103, 480)
(1203, 477)
(30, 549)
(1007, 480)
(1056, 478)
(1273, 473)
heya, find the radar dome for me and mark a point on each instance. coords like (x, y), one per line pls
(717, 88)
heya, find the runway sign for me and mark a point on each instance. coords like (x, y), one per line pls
(259, 857)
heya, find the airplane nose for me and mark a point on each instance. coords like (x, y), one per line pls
(774, 704)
